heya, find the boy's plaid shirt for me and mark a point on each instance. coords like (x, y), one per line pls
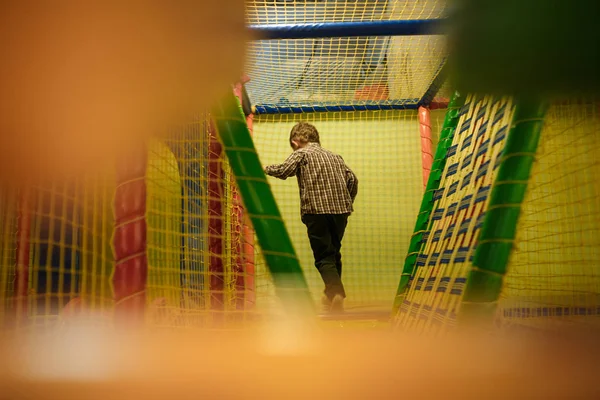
(327, 185)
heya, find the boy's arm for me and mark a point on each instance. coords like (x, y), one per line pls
(287, 168)
(351, 183)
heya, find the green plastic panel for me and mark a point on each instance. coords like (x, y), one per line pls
(423, 219)
(261, 206)
(496, 240)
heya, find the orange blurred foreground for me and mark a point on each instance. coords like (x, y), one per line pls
(82, 80)
(336, 364)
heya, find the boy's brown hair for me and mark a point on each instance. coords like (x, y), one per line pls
(304, 132)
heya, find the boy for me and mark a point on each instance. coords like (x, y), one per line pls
(327, 192)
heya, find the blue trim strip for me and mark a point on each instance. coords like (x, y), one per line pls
(406, 104)
(350, 29)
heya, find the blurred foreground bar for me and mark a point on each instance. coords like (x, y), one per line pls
(525, 47)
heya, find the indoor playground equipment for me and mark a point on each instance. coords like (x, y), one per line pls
(369, 76)
(188, 232)
(166, 229)
(507, 229)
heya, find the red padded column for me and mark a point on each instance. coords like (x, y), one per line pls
(129, 240)
(426, 142)
(215, 219)
(21, 284)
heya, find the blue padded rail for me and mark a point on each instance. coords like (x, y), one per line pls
(349, 29)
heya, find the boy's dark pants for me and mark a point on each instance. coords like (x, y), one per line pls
(325, 233)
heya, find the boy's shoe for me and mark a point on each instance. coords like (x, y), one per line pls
(337, 304)
(326, 303)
